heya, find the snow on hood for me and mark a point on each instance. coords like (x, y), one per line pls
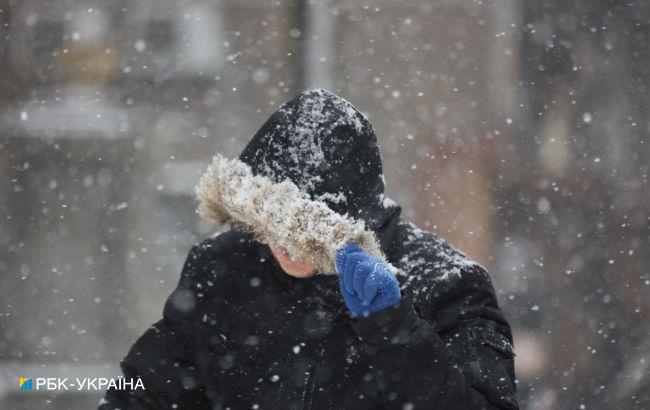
(279, 212)
(328, 149)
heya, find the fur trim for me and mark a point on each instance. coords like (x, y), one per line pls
(280, 213)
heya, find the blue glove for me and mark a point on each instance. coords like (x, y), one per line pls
(366, 282)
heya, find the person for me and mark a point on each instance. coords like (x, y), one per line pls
(252, 326)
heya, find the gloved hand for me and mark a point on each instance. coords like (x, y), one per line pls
(366, 282)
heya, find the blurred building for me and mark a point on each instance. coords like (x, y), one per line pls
(516, 130)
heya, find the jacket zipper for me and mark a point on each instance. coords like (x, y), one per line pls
(309, 386)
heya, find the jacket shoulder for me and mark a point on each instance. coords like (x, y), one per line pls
(219, 254)
(231, 243)
(443, 281)
(422, 252)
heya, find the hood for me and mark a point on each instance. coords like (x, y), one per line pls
(329, 150)
(310, 180)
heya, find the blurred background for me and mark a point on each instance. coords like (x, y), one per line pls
(517, 130)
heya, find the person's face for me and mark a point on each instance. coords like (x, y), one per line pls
(299, 268)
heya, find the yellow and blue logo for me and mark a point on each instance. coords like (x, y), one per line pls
(25, 383)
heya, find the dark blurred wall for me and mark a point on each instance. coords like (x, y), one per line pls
(580, 199)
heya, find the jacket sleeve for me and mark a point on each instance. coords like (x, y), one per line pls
(456, 356)
(163, 357)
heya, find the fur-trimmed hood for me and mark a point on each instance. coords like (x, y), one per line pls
(278, 212)
(309, 180)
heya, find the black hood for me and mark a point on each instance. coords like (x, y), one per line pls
(329, 149)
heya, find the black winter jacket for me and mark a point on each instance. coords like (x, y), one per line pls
(239, 333)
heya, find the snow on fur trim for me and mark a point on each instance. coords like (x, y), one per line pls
(279, 212)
